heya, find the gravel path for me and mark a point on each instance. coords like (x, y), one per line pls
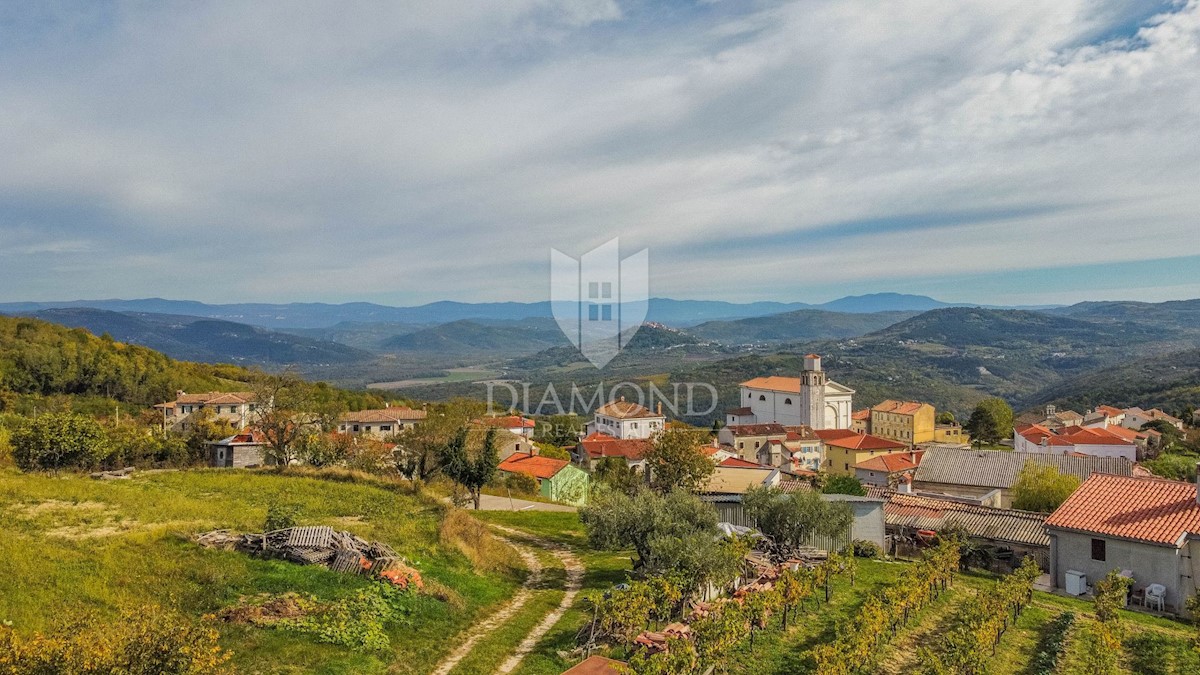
(574, 582)
(467, 640)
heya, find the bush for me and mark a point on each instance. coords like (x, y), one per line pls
(6, 455)
(552, 451)
(521, 482)
(861, 548)
(280, 516)
(59, 441)
(148, 641)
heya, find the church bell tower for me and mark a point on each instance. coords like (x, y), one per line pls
(812, 392)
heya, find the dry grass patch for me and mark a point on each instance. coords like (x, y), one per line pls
(485, 550)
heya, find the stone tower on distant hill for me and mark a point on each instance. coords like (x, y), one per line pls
(812, 393)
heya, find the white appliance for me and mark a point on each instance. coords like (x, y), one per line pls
(1076, 583)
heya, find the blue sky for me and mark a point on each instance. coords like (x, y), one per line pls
(1043, 151)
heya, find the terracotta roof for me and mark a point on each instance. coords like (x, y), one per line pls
(1067, 415)
(396, 414)
(770, 429)
(775, 383)
(899, 407)
(244, 437)
(861, 415)
(999, 468)
(507, 422)
(740, 412)
(737, 462)
(217, 398)
(1143, 509)
(1109, 410)
(800, 432)
(985, 522)
(891, 463)
(845, 438)
(595, 665)
(1156, 414)
(536, 465)
(1072, 435)
(625, 410)
(600, 445)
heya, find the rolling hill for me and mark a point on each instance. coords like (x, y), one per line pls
(197, 339)
(497, 339)
(800, 325)
(1177, 314)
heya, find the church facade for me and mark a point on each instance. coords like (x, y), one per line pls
(812, 400)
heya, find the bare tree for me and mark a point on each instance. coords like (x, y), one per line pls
(287, 410)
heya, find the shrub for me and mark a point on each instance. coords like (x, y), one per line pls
(148, 641)
(59, 441)
(6, 456)
(521, 482)
(552, 451)
(358, 621)
(861, 548)
(280, 516)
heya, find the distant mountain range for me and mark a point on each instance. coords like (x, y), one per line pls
(206, 340)
(680, 313)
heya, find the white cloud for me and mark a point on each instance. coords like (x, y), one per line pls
(426, 150)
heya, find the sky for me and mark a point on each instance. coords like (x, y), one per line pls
(992, 151)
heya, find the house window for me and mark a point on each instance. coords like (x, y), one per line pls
(762, 397)
(1098, 552)
(385, 427)
(787, 401)
(356, 427)
(847, 466)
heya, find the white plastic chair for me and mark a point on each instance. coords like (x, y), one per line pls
(1156, 595)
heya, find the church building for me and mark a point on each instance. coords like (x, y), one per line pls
(812, 400)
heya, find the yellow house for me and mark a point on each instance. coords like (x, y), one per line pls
(909, 422)
(845, 448)
(951, 434)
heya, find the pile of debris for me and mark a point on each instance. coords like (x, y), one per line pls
(338, 550)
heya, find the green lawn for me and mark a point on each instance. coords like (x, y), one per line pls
(72, 543)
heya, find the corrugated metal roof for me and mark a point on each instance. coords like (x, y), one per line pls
(985, 522)
(999, 469)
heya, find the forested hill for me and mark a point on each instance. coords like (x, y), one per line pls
(37, 357)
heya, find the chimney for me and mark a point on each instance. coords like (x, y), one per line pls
(905, 485)
(179, 393)
(622, 398)
(660, 408)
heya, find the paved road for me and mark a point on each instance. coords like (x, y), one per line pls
(494, 503)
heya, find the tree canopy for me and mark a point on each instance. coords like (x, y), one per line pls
(676, 462)
(792, 519)
(470, 467)
(991, 421)
(1042, 488)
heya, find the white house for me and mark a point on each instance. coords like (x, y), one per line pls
(811, 400)
(626, 420)
(1136, 417)
(236, 407)
(1095, 442)
(382, 423)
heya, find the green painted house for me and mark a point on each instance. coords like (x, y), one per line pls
(557, 479)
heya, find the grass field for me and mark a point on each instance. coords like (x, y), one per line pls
(73, 543)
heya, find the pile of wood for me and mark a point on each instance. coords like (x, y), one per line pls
(340, 551)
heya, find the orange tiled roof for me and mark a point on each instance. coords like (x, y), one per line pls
(899, 407)
(600, 445)
(891, 463)
(775, 383)
(845, 438)
(738, 463)
(536, 465)
(1143, 509)
(217, 397)
(625, 410)
(861, 415)
(769, 429)
(507, 422)
(396, 414)
(1109, 410)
